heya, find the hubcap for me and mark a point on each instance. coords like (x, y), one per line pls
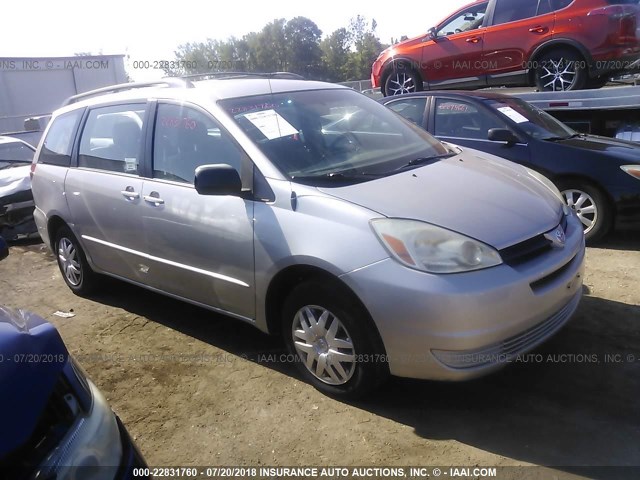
(69, 261)
(584, 206)
(559, 74)
(400, 83)
(324, 345)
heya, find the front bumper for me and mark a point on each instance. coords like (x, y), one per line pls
(131, 456)
(461, 326)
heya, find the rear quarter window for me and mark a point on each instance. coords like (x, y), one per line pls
(57, 145)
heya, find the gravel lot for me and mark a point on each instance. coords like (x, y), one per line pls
(195, 388)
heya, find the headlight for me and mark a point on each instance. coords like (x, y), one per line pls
(633, 170)
(547, 183)
(92, 444)
(433, 249)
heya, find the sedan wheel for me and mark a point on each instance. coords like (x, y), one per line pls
(584, 206)
(590, 205)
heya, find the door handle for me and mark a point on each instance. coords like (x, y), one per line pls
(473, 40)
(154, 198)
(539, 29)
(130, 193)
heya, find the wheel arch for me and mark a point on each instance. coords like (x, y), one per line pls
(576, 177)
(54, 223)
(284, 281)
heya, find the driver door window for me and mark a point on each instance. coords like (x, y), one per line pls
(468, 20)
(185, 139)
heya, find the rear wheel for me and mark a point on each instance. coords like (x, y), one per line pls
(73, 264)
(561, 70)
(332, 341)
(591, 207)
(402, 79)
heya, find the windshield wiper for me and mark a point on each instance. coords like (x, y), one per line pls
(423, 160)
(569, 137)
(337, 176)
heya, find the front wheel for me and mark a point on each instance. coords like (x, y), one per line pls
(332, 342)
(73, 263)
(560, 70)
(401, 80)
(590, 206)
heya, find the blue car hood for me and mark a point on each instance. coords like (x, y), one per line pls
(31, 351)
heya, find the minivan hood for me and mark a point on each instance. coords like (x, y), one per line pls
(28, 344)
(476, 194)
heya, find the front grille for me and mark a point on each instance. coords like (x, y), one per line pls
(508, 349)
(529, 249)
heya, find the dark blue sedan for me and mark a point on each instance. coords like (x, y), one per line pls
(599, 177)
(55, 423)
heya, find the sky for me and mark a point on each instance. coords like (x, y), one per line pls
(151, 31)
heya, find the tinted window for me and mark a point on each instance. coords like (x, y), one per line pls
(410, 108)
(14, 153)
(512, 10)
(544, 7)
(185, 139)
(461, 119)
(470, 19)
(56, 149)
(310, 135)
(111, 139)
(560, 4)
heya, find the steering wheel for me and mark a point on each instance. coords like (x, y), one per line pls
(346, 142)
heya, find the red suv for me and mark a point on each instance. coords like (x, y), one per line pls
(552, 44)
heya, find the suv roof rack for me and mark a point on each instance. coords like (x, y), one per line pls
(171, 82)
(229, 75)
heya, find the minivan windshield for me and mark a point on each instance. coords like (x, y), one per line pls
(332, 134)
(533, 121)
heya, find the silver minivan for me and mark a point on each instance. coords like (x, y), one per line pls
(310, 210)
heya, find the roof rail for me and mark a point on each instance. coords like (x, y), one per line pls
(171, 82)
(230, 75)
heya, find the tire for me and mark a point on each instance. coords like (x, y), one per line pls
(347, 345)
(561, 70)
(73, 264)
(402, 79)
(591, 206)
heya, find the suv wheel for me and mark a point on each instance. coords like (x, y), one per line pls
(73, 263)
(328, 337)
(402, 79)
(560, 70)
(590, 205)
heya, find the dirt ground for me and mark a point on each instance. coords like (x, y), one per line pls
(199, 389)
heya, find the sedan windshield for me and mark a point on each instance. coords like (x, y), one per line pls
(13, 154)
(334, 134)
(533, 121)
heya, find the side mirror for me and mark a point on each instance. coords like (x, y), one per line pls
(502, 135)
(220, 179)
(433, 34)
(4, 249)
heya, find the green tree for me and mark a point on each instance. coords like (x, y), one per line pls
(302, 38)
(335, 55)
